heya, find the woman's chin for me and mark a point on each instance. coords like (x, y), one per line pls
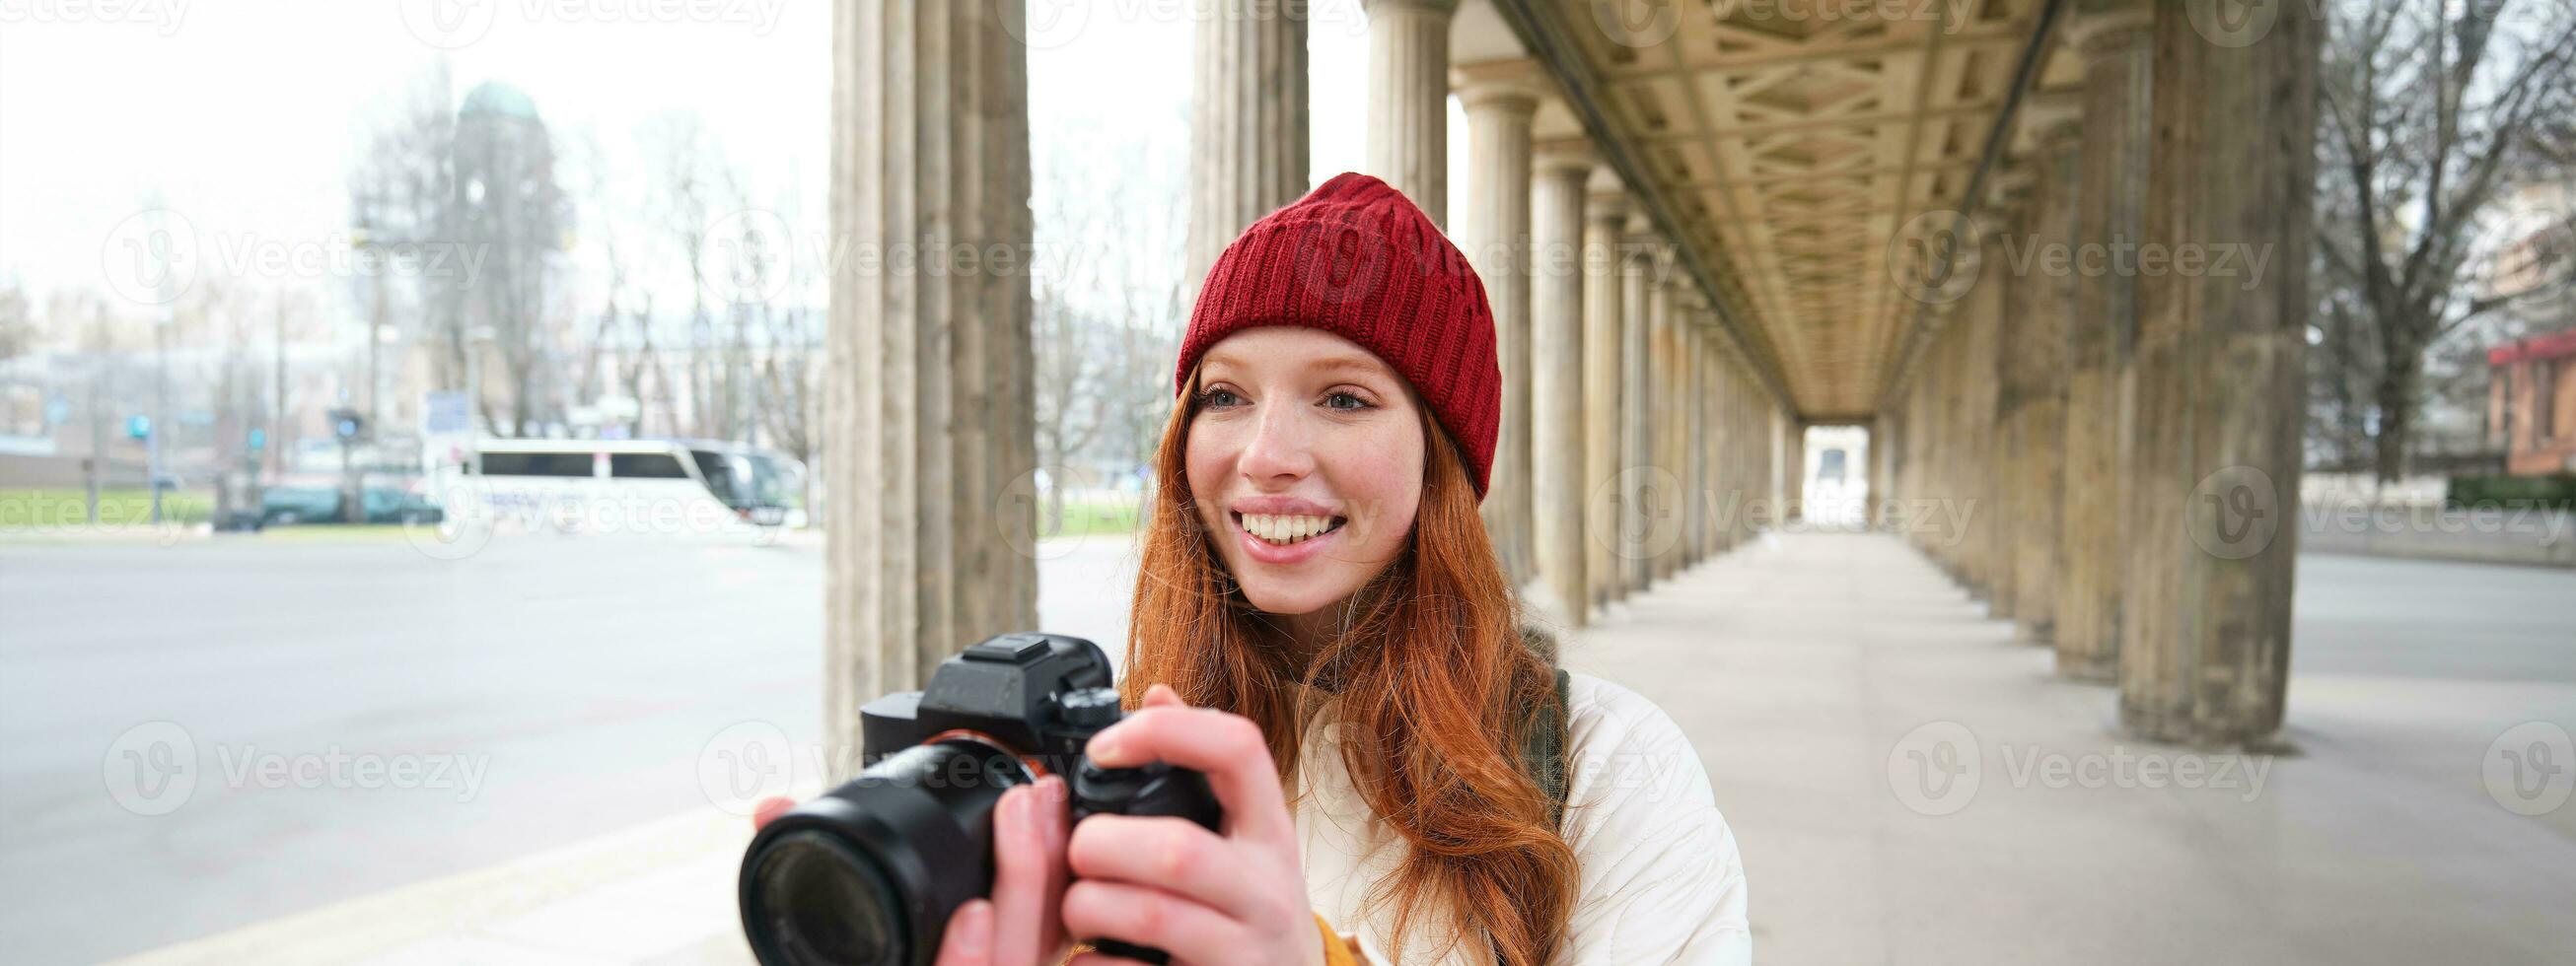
(1287, 601)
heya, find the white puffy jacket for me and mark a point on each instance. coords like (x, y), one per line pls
(1661, 880)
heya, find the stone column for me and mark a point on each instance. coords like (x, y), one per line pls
(930, 512)
(1691, 382)
(2112, 37)
(1408, 99)
(1556, 362)
(1605, 220)
(1977, 501)
(1495, 233)
(1793, 465)
(1672, 334)
(1248, 151)
(2010, 199)
(2056, 128)
(1719, 439)
(2220, 387)
(1643, 298)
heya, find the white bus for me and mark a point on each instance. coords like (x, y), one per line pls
(627, 486)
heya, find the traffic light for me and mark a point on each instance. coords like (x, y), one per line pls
(347, 424)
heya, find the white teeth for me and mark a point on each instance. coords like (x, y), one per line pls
(1285, 528)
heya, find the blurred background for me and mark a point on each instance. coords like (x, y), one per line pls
(415, 514)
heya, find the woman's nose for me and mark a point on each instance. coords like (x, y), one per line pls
(1280, 448)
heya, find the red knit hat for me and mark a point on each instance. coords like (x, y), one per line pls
(1355, 258)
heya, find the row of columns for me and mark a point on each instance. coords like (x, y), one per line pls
(1609, 474)
(2114, 414)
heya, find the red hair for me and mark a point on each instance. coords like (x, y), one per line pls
(1430, 678)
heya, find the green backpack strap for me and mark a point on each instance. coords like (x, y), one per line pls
(1543, 730)
(1544, 736)
(1544, 752)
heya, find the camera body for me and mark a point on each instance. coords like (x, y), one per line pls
(870, 872)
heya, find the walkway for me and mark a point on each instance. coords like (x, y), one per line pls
(1818, 674)
(1808, 668)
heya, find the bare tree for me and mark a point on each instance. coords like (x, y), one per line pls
(2430, 108)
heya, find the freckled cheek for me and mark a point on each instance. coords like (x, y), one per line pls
(1380, 475)
(1208, 457)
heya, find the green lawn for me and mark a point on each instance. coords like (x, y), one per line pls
(1084, 518)
(61, 509)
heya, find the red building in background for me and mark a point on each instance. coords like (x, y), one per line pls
(2531, 404)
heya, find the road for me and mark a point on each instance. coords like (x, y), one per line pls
(545, 690)
(364, 716)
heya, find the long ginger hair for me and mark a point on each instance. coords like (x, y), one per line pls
(1428, 679)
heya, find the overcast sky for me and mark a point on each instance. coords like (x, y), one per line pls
(245, 116)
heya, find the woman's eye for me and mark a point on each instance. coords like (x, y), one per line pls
(1219, 399)
(1346, 402)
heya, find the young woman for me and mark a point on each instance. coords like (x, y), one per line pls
(1322, 627)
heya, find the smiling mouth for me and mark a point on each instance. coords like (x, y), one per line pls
(1282, 529)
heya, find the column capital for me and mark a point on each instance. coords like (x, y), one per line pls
(1518, 85)
(2048, 122)
(1564, 155)
(2104, 27)
(2007, 192)
(1607, 204)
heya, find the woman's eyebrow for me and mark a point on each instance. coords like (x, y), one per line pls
(1359, 364)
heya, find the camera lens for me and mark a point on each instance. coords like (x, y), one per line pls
(869, 873)
(827, 904)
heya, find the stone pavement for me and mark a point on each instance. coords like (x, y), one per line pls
(1907, 784)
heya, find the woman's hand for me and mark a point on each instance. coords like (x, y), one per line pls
(1018, 925)
(1209, 900)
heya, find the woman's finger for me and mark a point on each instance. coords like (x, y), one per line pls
(1029, 872)
(1171, 854)
(1227, 748)
(969, 941)
(769, 810)
(1152, 917)
(1162, 695)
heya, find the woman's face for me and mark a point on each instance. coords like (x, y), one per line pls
(1306, 458)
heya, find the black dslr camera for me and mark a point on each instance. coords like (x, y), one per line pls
(868, 874)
